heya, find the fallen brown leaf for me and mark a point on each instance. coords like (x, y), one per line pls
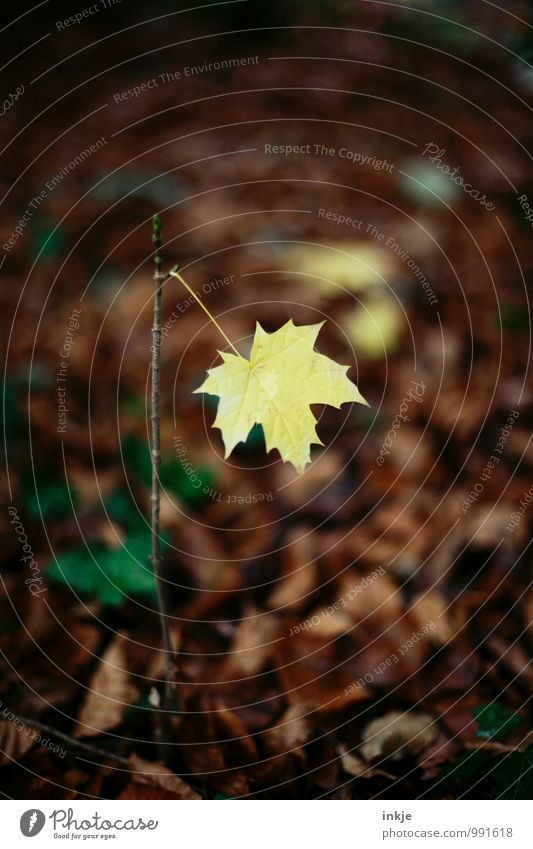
(160, 777)
(299, 575)
(430, 607)
(14, 742)
(351, 763)
(254, 641)
(109, 692)
(292, 731)
(397, 734)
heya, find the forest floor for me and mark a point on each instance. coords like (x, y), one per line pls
(362, 630)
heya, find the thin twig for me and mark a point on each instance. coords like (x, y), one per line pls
(27, 693)
(72, 742)
(88, 748)
(170, 690)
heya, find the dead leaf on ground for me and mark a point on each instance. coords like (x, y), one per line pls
(430, 607)
(312, 674)
(327, 626)
(254, 642)
(108, 694)
(370, 596)
(397, 734)
(233, 784)
(204, 560)
(231, 727)
(299, 576)
(159, 777)
(14, 742)
(292, 731)
(353, 765)
(135, 791)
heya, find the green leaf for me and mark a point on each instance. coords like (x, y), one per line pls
(495, 722)
(467, 769)
(514, 775)
(108, 574)
(134, 404)
(187, 487)
(510, 774)
(121, 508)
(137, 459)
(48, 498)
(48, 240)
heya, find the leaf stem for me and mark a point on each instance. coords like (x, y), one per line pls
(174, 273)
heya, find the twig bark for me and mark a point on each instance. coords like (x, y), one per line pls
(87, 748)
(170, 691)
(72, 742)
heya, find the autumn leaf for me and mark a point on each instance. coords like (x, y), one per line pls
(254, 641)
(292, 731)
(397, 734)
(335, 268)
(109, 693)
(158, 780)
(15, 741)
(275, 387)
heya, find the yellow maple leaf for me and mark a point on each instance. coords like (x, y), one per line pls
(275, 387)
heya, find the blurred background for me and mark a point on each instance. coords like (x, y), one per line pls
(362, 630)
